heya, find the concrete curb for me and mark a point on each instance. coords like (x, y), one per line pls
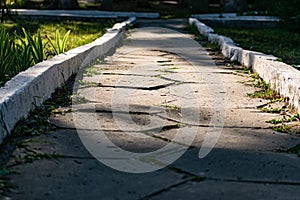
(282, 78)
(32, 87)
(234, 20)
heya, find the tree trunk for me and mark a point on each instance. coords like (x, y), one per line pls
(107, 4)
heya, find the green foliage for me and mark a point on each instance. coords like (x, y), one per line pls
(294, 150)
(284, 119)
(7, 55)
(281, 128)
(22, 45)
(271, 110)
(40, 156)
(4, 172)
(59, 45)
(265, 91)
(24, 58)
(37, 46)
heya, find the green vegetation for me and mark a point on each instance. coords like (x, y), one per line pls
(271, 110)
(40, 156)
(276, 41)
(23, 45)
(284, 119)
(4, 182)
(265, 91)
(58, 44)
(281, 128)
(294, 150)
(38, 121)
(281, 125)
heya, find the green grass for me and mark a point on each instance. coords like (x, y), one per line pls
(36, 47)
(81, 32)
(276, 41)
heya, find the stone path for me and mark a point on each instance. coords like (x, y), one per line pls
(139, 121)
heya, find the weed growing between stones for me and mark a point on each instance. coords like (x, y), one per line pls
(37, 123)
(293, 150)
(281, 128)
(265, 91)
(39, 156)
(4, 181)
(284, 119)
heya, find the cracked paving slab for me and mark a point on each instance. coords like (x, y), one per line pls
(160, 88)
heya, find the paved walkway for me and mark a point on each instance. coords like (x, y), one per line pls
(140, 119)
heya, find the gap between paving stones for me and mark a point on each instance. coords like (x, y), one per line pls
(282, 78)
(32, 87)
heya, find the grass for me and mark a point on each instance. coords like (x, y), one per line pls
(265, 91)
(272, 110)
(4, 181)
(42, 41)
(81, 32)
(281, 128)
(40, 156)
(284, 119)
(276, 41)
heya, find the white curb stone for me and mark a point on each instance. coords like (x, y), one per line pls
(32, 87)
(282, 77)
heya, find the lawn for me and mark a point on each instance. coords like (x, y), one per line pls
(276, 41)
(81, 33)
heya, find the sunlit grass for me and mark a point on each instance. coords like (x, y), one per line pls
(81, 32)
(25, 52)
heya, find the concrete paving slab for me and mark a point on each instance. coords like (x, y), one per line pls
(183, 115)
(235, 165)
(86, 179)
(223, 190)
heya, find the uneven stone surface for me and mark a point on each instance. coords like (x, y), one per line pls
(139, 120)
(282, 78)
(32, 87)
